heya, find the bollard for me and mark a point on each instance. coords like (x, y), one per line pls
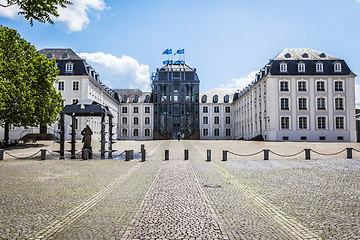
(349, 153)
(127, 155)
(186, 154)
(224, 155)
(85, 154)
(1, 154)
(166, 154)
(43, 154)
(307, 154)
(208, 158)
(142, 147)
(143, 155)
(131, 154)
(266, 154)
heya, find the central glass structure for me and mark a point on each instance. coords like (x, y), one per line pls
(175, 89)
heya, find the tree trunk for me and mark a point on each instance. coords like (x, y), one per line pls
(6, 133)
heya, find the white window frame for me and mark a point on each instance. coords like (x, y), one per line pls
(216, 132)
(124, 121)
(124, 132)
(307, 122)
(288, 84)
(205, 120)
(74, 100)
(147, 109)
(283, 67)
(317, 104)
(289, 123)
(317, 123)
(216, 109)
(337, 67)
(136, 120)
(228, 132)
(205, 132)
(227, 120)
(69, 67)
(342, 102)
(147, 120)
(344, 122)
(342, 85)
(316, 85)
(62, 84)
(216, 120)
(75, 84)
(124, 109)
(306, 86)
(207, 109)
(301, 67)
(319, 67)
(135, 109)
(137, 131)
(288, 104)
(306, 103)
(147, 132)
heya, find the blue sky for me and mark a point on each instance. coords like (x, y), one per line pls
(226, 41)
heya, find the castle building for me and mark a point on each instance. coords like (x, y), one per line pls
(300, 95)
(175, 89)
(136, 112)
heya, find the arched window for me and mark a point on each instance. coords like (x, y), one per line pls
(283, 67)
(69, 67)
(215, 99)
(319, 67)
(147, 98)
(226, 98)
(337, 67)
(136, 99)
(124, 99)
(204, 99)
(301, 67)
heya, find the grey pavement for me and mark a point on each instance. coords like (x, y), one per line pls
(178, 199)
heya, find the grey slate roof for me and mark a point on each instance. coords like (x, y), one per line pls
(303, 54)
(177, 67)
(220, 92)
(130, 95)
(59, 53)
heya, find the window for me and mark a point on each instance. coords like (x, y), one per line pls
(284, 86)
(216, 132)
(284, 103)
(337, 67)
(228, 132)
(147, 132)
(136, 110)
(321, 122)
(61, 86)
(76, 123)
(216, 120)
(302, 86)
(322, 138)
(339, 104)
(75, 101)
(286, 138)
(136, 120)
(205, 109)
(227, 120)
(124, 121)
(301, 67)
(320, 86)
(303, 138)
(147, 109)
(147, 120)
(64, 56)
(69, 67)
(124, 99)
(124, 132)
(285, 123)
(204, 99)
(340, 138)
(339, 123)
(319, 67)
(321, 103)
(136, 99)
(147, 99)
(124, 109)
(283, 67)
(75, 85)
(226, 98)
(302, 104)
(136, 132)
(216, 109)
(227, 109)
(205, 120)
(302, 122)
(205, 132)
(339, 86)
(215, 99)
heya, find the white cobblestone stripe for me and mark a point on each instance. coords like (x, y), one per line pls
(175, 206)
(84, 207)
(269, 210)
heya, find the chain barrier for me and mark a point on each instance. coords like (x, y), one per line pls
(54, 155)
(328, 154)
(94, 154)
(356, 150)
(119, 154)
(22, 157)
(284, 155)
(245, 155)
(76, 154)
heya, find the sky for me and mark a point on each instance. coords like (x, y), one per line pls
(226, 41)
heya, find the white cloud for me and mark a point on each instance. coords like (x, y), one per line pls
(76, 16)
(125, 70)
(241, 82)
(8, 12)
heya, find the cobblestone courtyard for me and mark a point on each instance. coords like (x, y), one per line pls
(242, 198)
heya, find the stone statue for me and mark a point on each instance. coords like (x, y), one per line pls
(86, 132)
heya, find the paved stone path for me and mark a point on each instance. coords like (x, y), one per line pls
(175, 207)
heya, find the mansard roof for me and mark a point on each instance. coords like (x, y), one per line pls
(303, 54)
(221, 93)
(130, 95)
(177, 68)
(60, 53)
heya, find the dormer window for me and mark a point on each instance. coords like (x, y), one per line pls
(64, 56)
(283, 67)
(49, 55)
(226, 98)
(124, 99)
(147, 98)
(319, 67)
(69, 67)
(215, 99)
(301, 67)
(337, 67)
(204, 99)
(136, 99)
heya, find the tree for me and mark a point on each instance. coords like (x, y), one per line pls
(27, 93)
(39, 10)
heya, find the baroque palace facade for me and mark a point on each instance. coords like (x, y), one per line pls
(300, 95)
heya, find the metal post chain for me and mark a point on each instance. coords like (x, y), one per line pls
(22, 157)
(328, 154)
(283, 155)
(245, 155)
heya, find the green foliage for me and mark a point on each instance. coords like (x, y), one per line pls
(27, 94)
(38, 10)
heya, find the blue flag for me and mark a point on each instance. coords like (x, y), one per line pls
(166, 62)
(169, 51)
(180, 51)
(177, 62)
(165, 51)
